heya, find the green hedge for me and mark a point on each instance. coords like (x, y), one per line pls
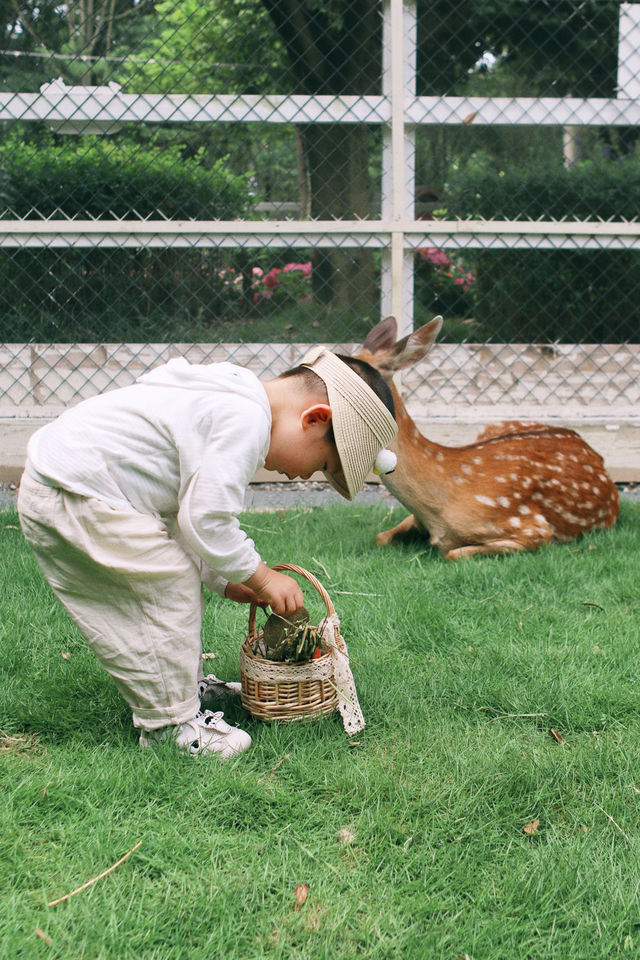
(571, 295)
(98, 177)
(97, 294)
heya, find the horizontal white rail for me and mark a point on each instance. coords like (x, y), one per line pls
(518, 111)
(115, 108)
(108, 108)
(475, 234)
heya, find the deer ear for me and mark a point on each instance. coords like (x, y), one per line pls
(382, 336)
(415, 346)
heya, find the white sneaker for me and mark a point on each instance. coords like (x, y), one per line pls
(211, 681)
(208, 732)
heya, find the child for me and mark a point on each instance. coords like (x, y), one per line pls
(130, 501)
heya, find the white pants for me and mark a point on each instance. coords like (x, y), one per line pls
(132, 590)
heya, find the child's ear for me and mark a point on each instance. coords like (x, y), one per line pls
(318, 413)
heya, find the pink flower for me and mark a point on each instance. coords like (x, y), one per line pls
(304, 268)
(270, 279)
(435, 257)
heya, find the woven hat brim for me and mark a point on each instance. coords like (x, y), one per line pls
(362, 424)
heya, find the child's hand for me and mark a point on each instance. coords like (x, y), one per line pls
(281, 592)
(240, 593)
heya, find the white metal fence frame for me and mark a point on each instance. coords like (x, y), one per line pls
(466, 381)
(398, 110)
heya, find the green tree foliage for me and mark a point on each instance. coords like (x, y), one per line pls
(545, 47)
(79, 40)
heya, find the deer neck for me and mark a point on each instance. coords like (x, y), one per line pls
(420, 475)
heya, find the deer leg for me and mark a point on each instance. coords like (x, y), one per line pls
(495, 546)
(406, 526)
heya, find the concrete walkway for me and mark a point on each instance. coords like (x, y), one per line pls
(273, 496)
(284, 496)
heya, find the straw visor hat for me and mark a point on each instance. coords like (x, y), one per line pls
(362, 425)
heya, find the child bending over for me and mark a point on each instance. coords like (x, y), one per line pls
(130, 501)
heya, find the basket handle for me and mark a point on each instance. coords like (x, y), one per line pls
(303, 573)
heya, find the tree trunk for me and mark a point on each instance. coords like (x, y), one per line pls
(335, 49)
(337, 155)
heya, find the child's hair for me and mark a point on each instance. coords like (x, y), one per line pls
(312, 382)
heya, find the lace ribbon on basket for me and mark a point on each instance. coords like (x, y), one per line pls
(352, 717)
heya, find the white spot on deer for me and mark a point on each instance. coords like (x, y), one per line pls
(477, 460)
(500, 479)
(523, 508)
(503, 501)
(514, 521)
(439, 456)
(603, 477)
(457, 478)
(538, 518)
(596, 491)
(588, 504)
(466, 468)
(559, 455)
(487, 501)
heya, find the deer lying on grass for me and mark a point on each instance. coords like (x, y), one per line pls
(519, 485)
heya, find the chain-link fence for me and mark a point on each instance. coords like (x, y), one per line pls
(238, 178)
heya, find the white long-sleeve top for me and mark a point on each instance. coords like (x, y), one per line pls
(181, 444)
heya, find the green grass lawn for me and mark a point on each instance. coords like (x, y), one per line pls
(456, 825)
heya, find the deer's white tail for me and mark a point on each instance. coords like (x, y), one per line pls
(521, 484)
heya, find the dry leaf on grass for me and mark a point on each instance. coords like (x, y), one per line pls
(66, 655)
(313, 917)
(90, 883)
(302, 892)
(345, 835)
(556, 736)
(18, 742)
(531, 828)
(43, 936)
(274, 768)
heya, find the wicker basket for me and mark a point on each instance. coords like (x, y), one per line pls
(288, 691)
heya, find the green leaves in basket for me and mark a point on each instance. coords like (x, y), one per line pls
(290, 639)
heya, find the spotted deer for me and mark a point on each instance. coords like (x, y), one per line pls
(519, 485)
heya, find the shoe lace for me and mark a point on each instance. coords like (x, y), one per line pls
(209, 717)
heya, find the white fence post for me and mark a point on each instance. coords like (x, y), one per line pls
(629, 51)
(398, 159)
